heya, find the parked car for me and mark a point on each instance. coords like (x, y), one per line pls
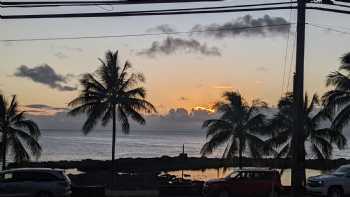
(335, 184)
(245, 183)
(34, 182)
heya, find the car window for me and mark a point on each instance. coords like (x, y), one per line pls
(42, 176)
(342, 170)
(6, 177)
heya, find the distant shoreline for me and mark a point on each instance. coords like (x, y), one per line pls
(166, 163)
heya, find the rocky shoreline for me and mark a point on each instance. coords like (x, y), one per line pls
(181, 162)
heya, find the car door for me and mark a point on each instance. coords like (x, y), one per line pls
(346, 183)
(238, 186)
(262, 184)
(11, 186)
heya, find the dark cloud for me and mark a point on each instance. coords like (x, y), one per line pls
(46, 75)
(165, 28)
(240, 27)
(171, 45)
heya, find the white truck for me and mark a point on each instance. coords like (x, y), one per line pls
(335, 184)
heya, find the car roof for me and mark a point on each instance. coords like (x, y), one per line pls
(346, 165)
(256, 170)
(31, 170)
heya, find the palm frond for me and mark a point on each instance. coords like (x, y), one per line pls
(215, 141)
(342, 118)
(124, 120)
(30, 126)
(30, 141)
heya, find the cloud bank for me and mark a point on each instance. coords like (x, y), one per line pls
(171, 45)
(45, 75)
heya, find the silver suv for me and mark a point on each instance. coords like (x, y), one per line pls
(34, 182)
(335, 184)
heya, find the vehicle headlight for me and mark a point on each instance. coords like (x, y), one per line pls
(316, 183)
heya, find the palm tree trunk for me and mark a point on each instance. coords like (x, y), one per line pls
(240, 153)
(4, 142)
(113, 167)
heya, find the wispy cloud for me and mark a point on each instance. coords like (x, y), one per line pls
(164, 28)
(42, 109)
(223, 87)
(46, 75)
(60, 55)
(262, 69)
(246, 26)
(183, 98)
(172, 45)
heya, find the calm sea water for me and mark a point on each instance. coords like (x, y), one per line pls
(73, 145)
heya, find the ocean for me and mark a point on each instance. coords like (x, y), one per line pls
(74, 145)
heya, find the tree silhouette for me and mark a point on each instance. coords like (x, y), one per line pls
(113, 93)
(319, 139)
(19, 136)
(237, 128)
(337, 100)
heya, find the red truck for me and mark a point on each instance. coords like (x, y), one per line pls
(243, 183)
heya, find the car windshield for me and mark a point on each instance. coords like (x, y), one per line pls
(342, 170)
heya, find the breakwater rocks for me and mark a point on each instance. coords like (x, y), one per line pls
(167, 163)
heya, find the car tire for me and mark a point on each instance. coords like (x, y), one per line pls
(44, 194)
(223, 193)
(335, 192)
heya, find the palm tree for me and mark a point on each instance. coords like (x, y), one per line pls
(237, 128)
(319, 139)
(112, 93)
(337, 100)
(17, 133)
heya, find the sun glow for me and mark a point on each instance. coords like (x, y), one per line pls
(204, 108)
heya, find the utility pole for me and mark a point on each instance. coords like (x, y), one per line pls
(298, 147)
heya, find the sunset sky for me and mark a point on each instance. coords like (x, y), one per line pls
(193, 75)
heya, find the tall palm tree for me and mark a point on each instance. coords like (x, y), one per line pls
(337, 100)
(237, 128)
(19, 136)
(318, 138)
(113, 93)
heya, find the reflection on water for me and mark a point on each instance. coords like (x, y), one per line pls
(207, 174)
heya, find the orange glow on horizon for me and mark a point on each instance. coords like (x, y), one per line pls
(204, 108)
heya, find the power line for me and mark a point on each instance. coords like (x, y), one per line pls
(329, 28)
(183, 9)
(344, 1)
(139, 35)
(105, 2)
(329, 10)
(140, 13)
(285, 56)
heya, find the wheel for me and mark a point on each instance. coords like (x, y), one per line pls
(224, 193)
(273, 193)
(44, 194)
(335, 192)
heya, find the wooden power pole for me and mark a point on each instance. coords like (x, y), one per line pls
(298, 147)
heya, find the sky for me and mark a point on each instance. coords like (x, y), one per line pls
(183, 70)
